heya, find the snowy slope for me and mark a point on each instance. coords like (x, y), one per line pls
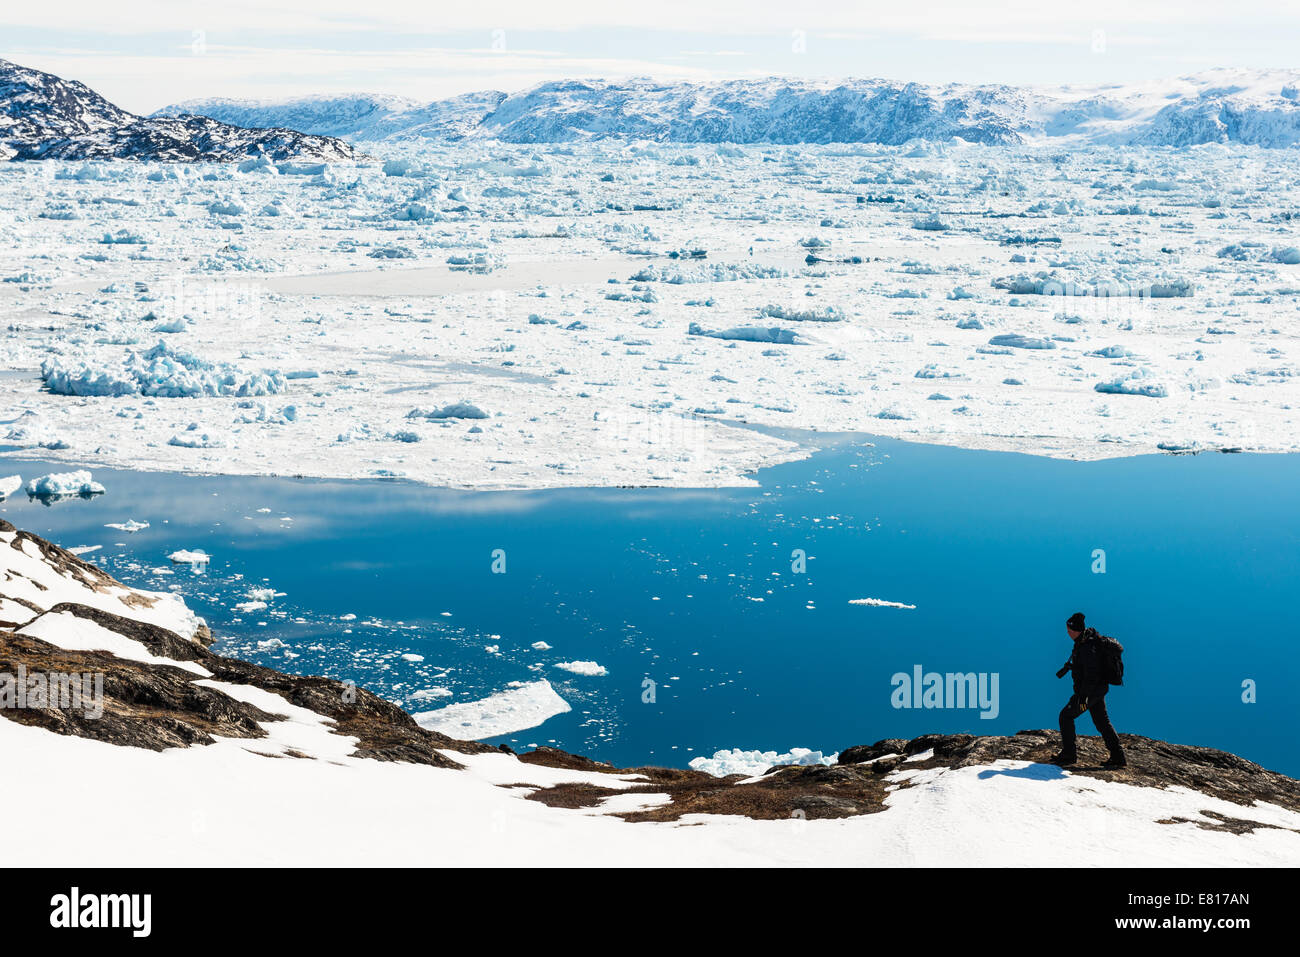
(187, 781)
(1257, 107)
(45, 117)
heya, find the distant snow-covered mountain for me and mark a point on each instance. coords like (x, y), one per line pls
(358, 117)
(1257, 107)
(43, 116)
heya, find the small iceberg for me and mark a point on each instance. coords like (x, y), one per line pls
(879, 603)
(58, 486)
(186, 557)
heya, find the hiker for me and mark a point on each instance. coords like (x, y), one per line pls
(1095, 665)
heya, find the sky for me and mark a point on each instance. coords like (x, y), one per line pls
(149, 53)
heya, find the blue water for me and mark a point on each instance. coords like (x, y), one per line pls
(695, 591)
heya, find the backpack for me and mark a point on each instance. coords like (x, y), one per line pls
(1112, 660)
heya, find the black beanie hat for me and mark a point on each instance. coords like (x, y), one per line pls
(1075, 621)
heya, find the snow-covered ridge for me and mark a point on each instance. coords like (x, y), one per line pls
(1254, 107)
(36, 576)
(43, 116)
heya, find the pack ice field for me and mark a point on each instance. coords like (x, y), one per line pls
(485, 315)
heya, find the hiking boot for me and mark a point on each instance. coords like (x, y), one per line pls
(1116, 761)
(1064, 758)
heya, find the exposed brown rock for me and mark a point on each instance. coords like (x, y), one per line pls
(145, 706)
(158, 706)
(1151, 763)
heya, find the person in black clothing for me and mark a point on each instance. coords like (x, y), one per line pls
(1090, 687)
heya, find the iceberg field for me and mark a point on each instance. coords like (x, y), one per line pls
(648, 313)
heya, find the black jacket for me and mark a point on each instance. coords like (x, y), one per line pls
(1087, 665)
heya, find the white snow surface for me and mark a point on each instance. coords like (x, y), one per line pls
(66, 630)
(27, 576)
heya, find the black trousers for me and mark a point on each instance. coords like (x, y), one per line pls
(1096, 707)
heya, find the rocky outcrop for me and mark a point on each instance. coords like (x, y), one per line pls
(161, 704)
(1152, 763)
(862, 778)
(43, 116)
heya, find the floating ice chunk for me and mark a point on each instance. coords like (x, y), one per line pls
(879, 603)
(1240, 252)
(131, 526)
(195, 438)
(753, 763)
(479, 263)
(588, 668)
(541, 646)
(391, 252)
(10, 484)
(430, 694)
(187, 557)
(1013, 340)
(1112, 352)
(414, 212)
(179, 324)
(932, 371)
(526, 705)
(457, 410)
(61, 485)
(773, 334)
(122, 237)
(248, 607)
(1136, 382)
(413, 658)
(931, 223)
(708, 272)
(259, 164)
(161, 371)
(1049, 284)
(790, 313)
